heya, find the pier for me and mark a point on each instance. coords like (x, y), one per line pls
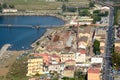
(27, 26)
(4, 49)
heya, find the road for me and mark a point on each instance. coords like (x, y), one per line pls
(3, 49)
(107, 67)
(109, 45)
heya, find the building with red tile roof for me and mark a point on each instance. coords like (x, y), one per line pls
(93, 73)
(55, 58)
(70, 62)
(45, 56)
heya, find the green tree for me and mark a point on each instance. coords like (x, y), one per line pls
(63, 7)
(96, 47)
(96, 18)
(70, 9)
(37, 43)
(91, 4)
(85, 12)
(0, 8)
(4, 5)
(11, 6)
(96, 11)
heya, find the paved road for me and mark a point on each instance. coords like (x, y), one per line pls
(109, 45)
(4, 49)
(107, 68)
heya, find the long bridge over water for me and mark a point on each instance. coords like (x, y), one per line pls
(27, 26)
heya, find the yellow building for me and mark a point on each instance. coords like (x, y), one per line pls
(35, 66)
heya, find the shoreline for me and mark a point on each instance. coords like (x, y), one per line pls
(47, 32)
(34, 14)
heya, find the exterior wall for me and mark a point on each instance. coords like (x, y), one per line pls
(84, 34)
(80, 57)
(82, 45)
(102, 44)
(69, 56)
(54, 68)
(93, 76)
(98, 37)
(68, 73)
(117, 44)
(69, 63)
(35, 66)
(56, 59)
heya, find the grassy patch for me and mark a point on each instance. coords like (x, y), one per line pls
(33, 4)
(40, 4)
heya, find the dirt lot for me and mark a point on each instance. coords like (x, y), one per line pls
(7, 60)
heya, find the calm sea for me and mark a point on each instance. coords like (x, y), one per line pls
(22, 37)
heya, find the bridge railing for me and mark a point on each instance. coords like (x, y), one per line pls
(28, 26)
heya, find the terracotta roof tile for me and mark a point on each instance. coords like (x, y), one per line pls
(82, 51)
(70, 60)
(94, 70)
(69, 68)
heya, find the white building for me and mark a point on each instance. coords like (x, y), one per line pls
(81, 21)
(96, 60)
(9, 10)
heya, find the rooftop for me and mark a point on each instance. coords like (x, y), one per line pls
(82, 51)
(94, 70)
(69, 68)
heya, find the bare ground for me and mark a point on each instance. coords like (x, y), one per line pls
(7, 61)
